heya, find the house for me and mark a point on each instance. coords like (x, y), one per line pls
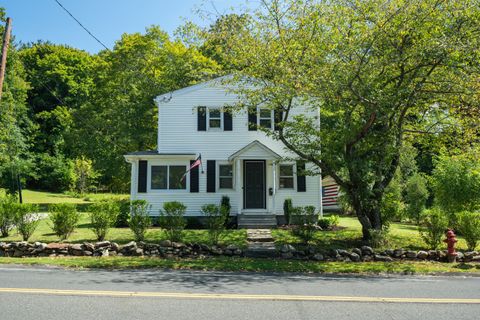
(238, 160)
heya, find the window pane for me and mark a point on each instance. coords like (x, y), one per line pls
(286, 183)
(175, 177)
(226, 170)
(159, 177)
(286, 170)
(265, 113)
(215, 123)
(266, 123)
(215, 113)
(226, 183)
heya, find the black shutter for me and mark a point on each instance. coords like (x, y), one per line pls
(211, 168)
(227, 120)
(193, 178)
(202, 119)
(301, 181)
(277, 117)
(142, 176)
(252, 119)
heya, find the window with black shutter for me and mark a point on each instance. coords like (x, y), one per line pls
(211, 174)
(142, 176)
(193, 178)
(301, 179)
(202, 118)
(252, 119)
(227, 120)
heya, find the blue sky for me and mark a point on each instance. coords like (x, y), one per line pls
(107, 19)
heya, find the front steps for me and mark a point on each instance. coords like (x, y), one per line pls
(256, 221)
(260, 244)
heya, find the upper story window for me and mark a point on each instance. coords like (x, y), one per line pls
(265, 118)
(214, 118)
(286, 176)
(168, 177)
(225, 176)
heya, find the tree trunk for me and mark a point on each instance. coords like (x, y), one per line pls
(368, 215)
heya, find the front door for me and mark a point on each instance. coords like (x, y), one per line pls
(254, 192)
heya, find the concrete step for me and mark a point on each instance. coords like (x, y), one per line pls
(257, 220)
(261, 250)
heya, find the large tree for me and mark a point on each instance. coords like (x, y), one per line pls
(375, 69)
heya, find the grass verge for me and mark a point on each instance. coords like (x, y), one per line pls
(249, 264)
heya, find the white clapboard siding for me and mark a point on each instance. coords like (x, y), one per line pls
(178, 133)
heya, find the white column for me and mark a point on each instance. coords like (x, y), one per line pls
(274, 170)
(133, 179)
(238, 184)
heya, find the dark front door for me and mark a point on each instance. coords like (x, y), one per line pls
(254, 184)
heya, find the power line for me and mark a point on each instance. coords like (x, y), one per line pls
(81, 25)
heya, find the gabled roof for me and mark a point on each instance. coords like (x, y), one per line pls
(251, 145)
(169, 95)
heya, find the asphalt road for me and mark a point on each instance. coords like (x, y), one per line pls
(53, 293)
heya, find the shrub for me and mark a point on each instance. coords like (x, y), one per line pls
(225, 205)
(307, 229)
(25, 220)
(456, 184)
(123, 212)
(103, 215)
(379, 238)
(469, 227)
(172, 219)
(324, 223)
(334, 220)
(139, 220)
(416, 195)
(7, 214)
(435, 222)
(216, 218)
(64, 218)
(287, 209)
(391, 208)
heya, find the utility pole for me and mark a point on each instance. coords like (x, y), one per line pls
(6, 42)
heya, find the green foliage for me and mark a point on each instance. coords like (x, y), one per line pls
(456, 183)
(103, 215)
(373, 69)
(334, 220)
(64, 218)
(139, 220)
(85, 175)
(379, 238)
(391, 208)
(287, 209)
(226, 207)
(124, 212)
(8, 204)
(53, 173)
(326, 223)
(172, 219)
(435, 223)
(26, 220)
(216, 219)
(468, 225)
(308, 226)
(416, 195)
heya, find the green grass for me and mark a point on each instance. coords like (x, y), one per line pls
(248, 264)
(401, 235)
(83, 233)
(31, 196)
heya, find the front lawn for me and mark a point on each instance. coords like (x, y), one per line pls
(249, 264)
(45, 197)
(401, 236)
(83, 233)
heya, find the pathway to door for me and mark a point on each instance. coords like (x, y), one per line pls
(260, 243)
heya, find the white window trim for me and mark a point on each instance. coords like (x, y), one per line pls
(222, 163)
(272, 119)
(208, 119)
(294, 176)
(167, 164)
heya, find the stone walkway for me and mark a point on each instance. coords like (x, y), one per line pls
(260, 243)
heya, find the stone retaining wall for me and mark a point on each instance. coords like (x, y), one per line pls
(168, 249)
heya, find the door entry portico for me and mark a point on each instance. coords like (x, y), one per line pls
(254, 182)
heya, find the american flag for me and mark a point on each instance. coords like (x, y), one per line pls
(330, 195)
(196, 163)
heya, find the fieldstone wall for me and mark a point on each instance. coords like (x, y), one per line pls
(165, 249)
(366, 254)
(168, 249)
